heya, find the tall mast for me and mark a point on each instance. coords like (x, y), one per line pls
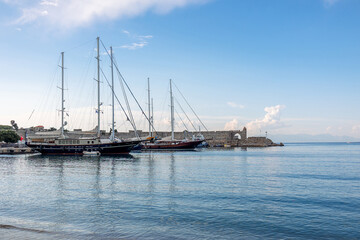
(150, 133)
(152, 116)
(172, 112)
(98, 80)
(62, 95)
(112, 88)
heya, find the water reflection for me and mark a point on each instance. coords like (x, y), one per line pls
(172, 175)
(60, 215)
(172, 183)
(151, 173)
(113, 177)
(97, 175)
(226, 194)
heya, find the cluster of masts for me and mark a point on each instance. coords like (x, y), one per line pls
(98, 110)
(150, 118)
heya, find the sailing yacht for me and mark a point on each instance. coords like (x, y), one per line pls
(62, 144)
(170, 143)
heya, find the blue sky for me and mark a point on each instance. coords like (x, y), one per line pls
(286, 67)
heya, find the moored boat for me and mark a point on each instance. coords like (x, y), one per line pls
(171, 143)
(79, 146)
(61, 144)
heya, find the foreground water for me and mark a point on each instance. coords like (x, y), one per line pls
(300, 191)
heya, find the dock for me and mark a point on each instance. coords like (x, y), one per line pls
(16, 151)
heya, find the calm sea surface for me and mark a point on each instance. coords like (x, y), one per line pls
(300, 191)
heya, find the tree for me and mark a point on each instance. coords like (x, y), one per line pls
(5, 127)
(9, 136)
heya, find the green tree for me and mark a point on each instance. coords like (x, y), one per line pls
(5, 127)
(9, 136)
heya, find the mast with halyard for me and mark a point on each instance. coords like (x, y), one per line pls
(152, 116)
(172, 112)
(149, 104)
(112, 136)
(98, 80)
(62, 95)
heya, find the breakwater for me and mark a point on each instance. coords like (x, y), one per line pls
(235, 138)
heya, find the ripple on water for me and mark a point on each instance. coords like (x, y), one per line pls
(298, 192)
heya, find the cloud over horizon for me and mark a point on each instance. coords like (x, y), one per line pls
(68, 14)
(270, 120)
(232, 125)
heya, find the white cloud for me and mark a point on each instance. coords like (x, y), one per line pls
(138, 41)
(30, 15)
(356, 128)
(146, 37)
(67, 14)
(235, 105)
(232, 125)
(270, 120)
(134, 46)
(49, 3)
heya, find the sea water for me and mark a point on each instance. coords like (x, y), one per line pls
(300, 191)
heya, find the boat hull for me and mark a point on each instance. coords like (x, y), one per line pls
(104, 148)
(173, 146)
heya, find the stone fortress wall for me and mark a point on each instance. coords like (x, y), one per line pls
(235, 138)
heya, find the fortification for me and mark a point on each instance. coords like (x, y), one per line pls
(235, 138)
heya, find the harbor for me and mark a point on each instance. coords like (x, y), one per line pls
(179, 120)
(65, 141)
(213, 139)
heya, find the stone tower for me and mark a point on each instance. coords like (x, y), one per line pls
(243, 134)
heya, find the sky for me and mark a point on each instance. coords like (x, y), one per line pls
(275, 66)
